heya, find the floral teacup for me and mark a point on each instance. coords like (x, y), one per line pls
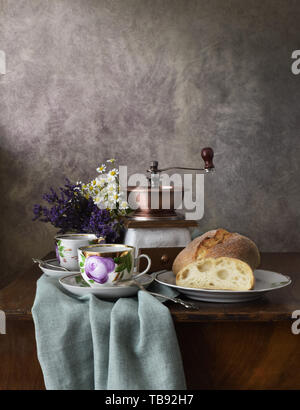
(66, 248)
(105, 264)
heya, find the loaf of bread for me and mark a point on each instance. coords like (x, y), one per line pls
(216, 244)
(217, 273)
(217, 259)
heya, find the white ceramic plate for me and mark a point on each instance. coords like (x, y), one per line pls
(76, 285)
(55, 273)
(265, 281)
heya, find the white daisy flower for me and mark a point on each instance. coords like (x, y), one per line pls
(101, 181)
(112, 188)
(101, 169)
(114, 172)
(124, 205)
(111, 178)
(105, 189)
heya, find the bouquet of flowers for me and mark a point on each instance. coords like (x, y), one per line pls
(95, 207)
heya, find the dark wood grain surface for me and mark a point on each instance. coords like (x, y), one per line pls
(20, 368)
(17, 298)
(223, 346)
(239, 355)
(274, 306)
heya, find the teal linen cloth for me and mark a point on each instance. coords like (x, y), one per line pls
(86, 343)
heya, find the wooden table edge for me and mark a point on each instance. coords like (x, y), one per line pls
(182, 317)
(28, 280)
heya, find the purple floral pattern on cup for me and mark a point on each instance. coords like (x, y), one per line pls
(97, 268)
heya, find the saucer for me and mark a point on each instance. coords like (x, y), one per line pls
(53, 272)
(77, 285)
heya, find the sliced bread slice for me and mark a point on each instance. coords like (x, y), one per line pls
(217, 273)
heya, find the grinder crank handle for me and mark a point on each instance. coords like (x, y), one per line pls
(207, 155)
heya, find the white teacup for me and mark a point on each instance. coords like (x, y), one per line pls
(105, 264)
(66, 246)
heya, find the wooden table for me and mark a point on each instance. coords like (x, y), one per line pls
(225, 346)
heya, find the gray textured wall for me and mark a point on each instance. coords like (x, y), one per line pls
(151, 79)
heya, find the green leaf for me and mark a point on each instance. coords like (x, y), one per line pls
(81, 264)
(123, 262)
(128, 262)
(80, 281)
(91, 281)
(120, 268)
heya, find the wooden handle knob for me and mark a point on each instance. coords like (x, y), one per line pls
(164, 259)
(207, 155)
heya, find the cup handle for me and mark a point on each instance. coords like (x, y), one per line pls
(148, 267)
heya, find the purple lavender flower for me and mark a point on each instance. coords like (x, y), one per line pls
(98, 268)
(70, 211)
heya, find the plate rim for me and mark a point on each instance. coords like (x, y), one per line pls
(228, 292)
(51, 269)
(151, 278)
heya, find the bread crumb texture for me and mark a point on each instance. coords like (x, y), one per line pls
(217, 273)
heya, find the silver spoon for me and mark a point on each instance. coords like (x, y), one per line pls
(187, 305)
(40, 262)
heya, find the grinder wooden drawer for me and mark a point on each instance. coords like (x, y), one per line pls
(161, 258)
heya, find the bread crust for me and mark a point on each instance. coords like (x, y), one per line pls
(215, 244)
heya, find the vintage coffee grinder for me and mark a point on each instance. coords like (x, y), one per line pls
(161, 233)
